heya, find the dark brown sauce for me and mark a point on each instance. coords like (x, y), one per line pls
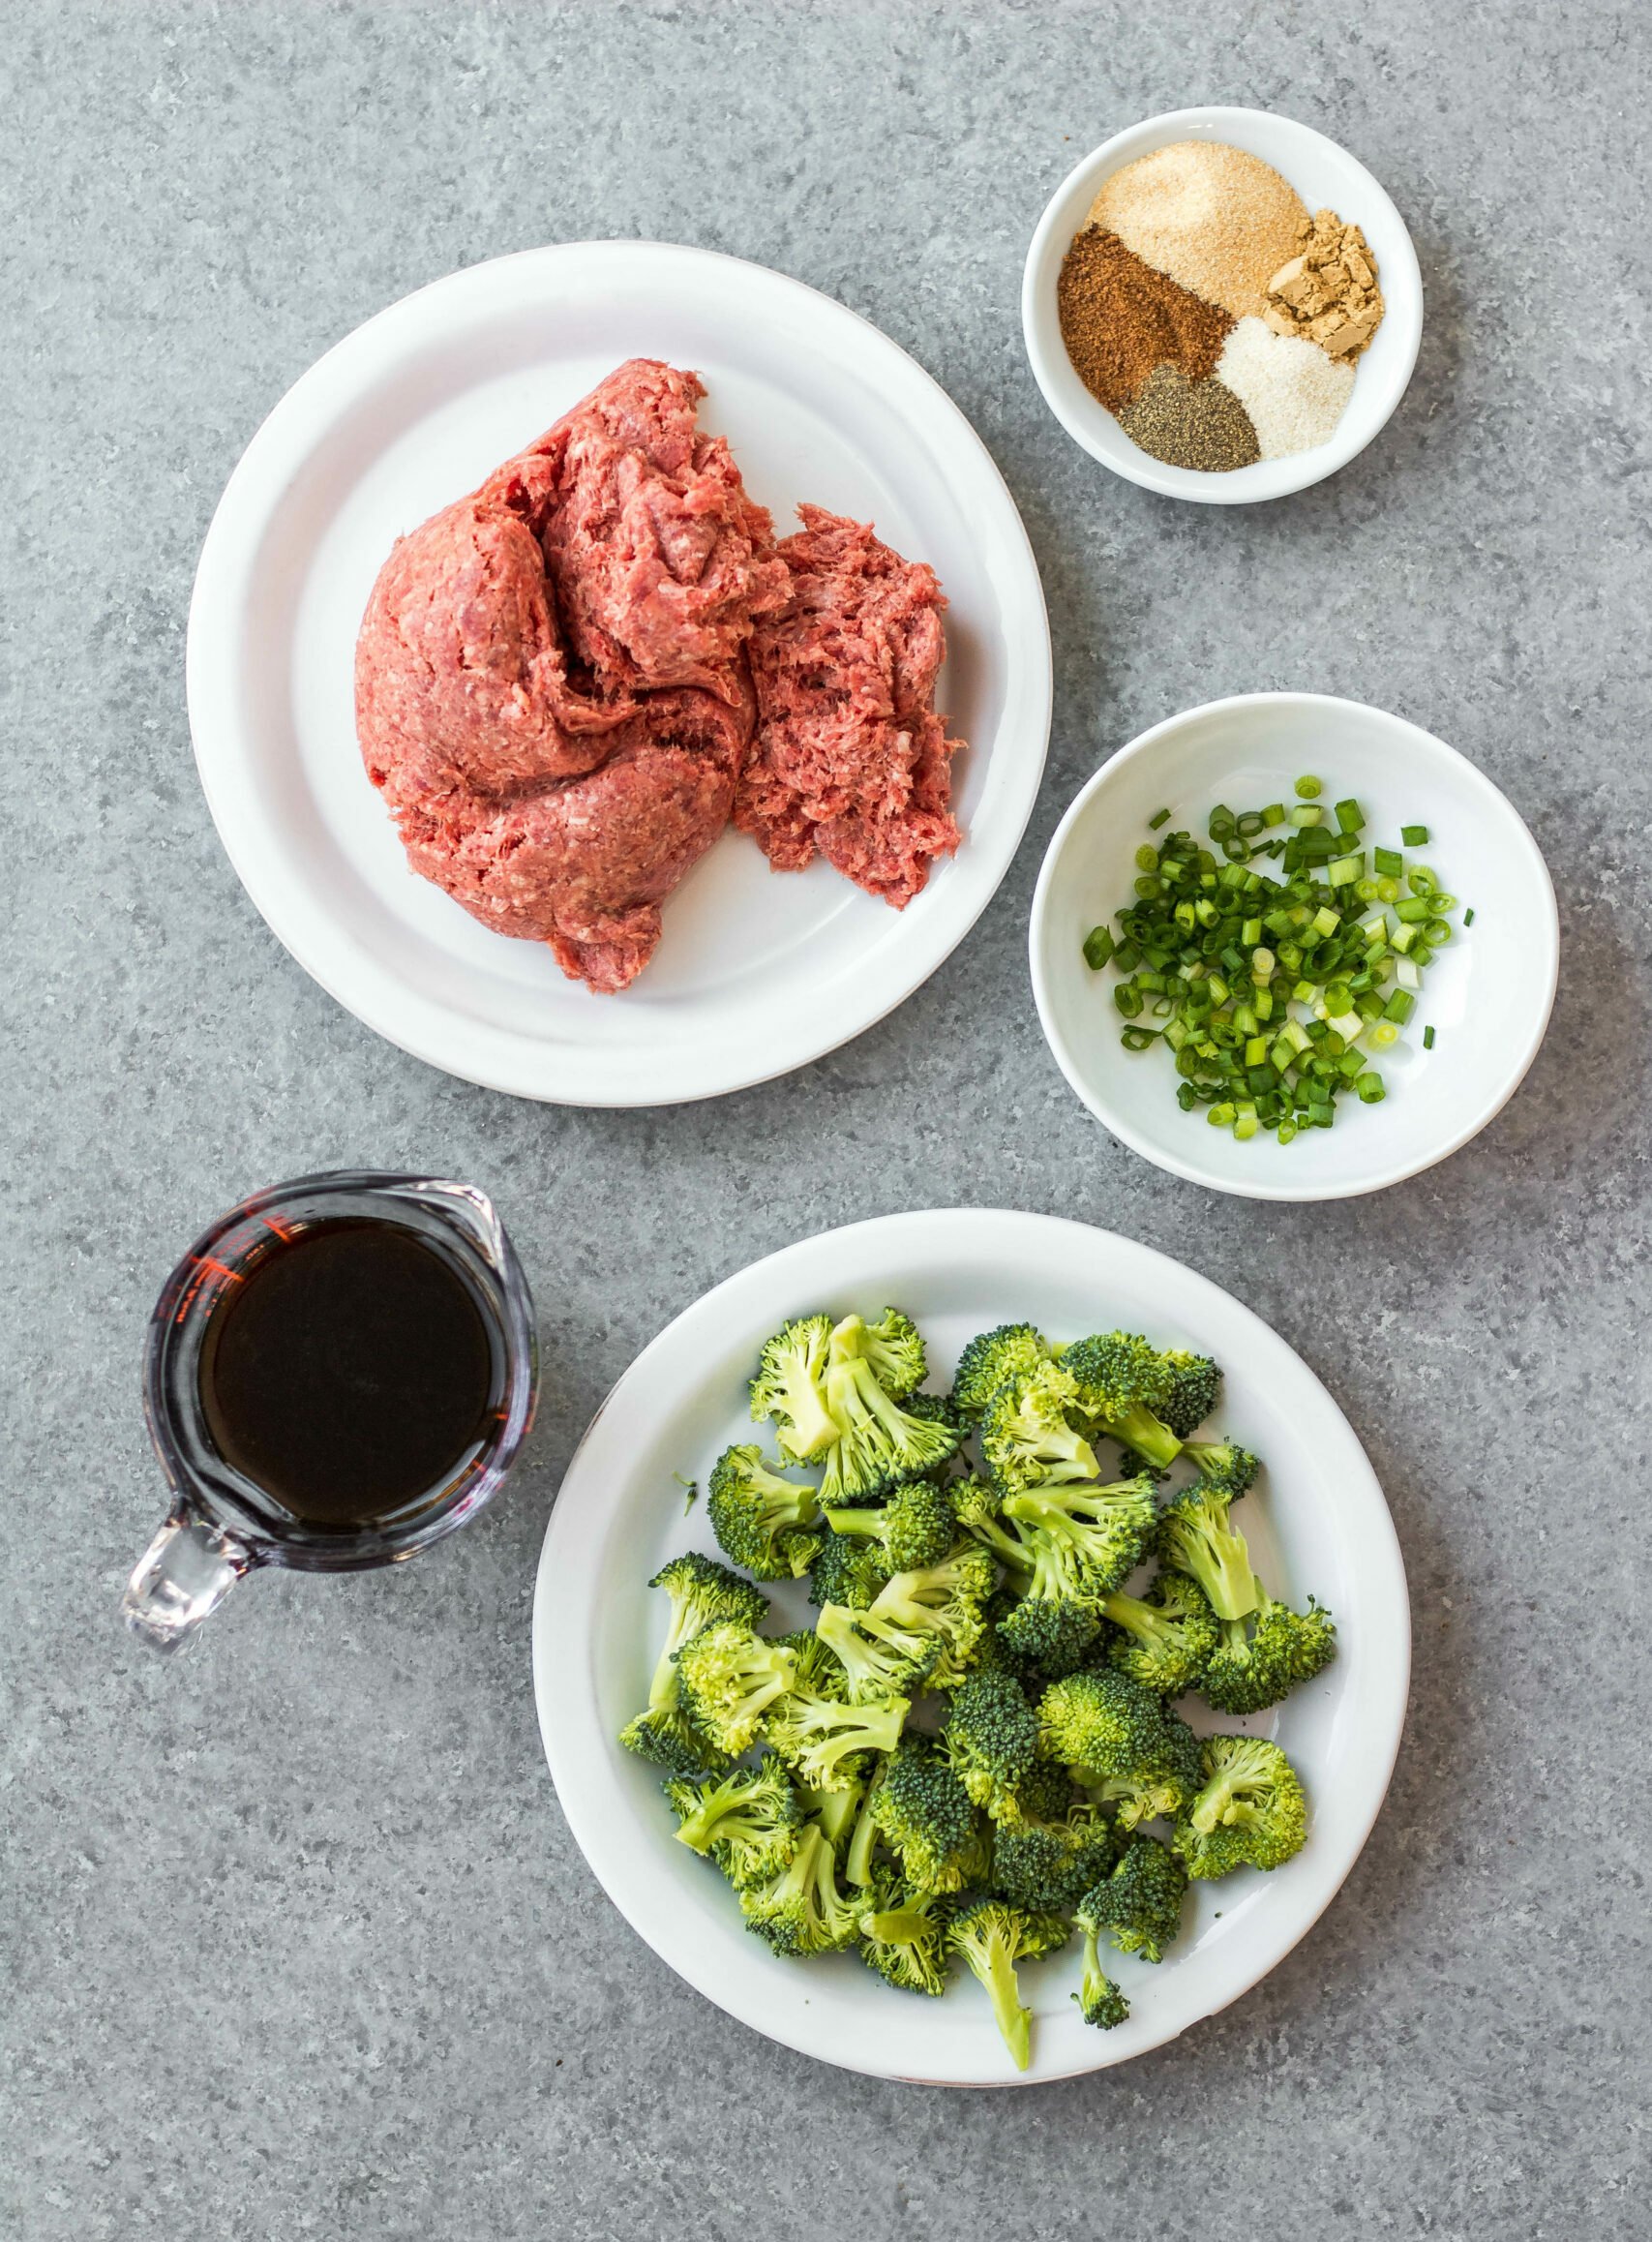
(348, 1374)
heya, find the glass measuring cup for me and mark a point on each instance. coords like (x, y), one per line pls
(223, 1525)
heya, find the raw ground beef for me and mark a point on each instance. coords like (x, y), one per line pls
(849, 757)
(568, 681)
(551, 683)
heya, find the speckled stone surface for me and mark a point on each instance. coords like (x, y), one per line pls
(296, 1942)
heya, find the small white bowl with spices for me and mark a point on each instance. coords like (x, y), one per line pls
(1183, 285)
(1447, 1061)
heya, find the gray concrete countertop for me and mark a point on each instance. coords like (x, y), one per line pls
(297, 1942)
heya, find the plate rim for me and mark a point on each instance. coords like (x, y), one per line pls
(225, 572)
(1188, 1168)
(559, 1651)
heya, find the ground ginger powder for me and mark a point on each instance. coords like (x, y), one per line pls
(1327, 291)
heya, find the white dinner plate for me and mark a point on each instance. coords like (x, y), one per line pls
(757, 972)
(1317, 1523)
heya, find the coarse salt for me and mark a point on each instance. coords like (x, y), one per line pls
(1292, 391)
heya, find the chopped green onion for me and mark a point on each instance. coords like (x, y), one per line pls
(1428, 1039)
(1272, 988)
(1415, 837)
(1468, 918)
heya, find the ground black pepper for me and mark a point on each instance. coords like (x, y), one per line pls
(1191, 424)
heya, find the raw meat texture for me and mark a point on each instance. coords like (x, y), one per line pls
(849, 757)
(583, 866)
(552, 691)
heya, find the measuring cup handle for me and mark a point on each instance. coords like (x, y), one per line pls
(185, 1573)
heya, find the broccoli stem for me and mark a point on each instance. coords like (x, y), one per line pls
(867, 1522)
(857, 1863)
(991, 1964)
(896, 1926)
(1146, 1621)
(1139, 1428)
(813, 1426)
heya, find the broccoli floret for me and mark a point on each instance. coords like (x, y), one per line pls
(790, 1386)
(936, 1409)
(1100, 2000)
(1043, 1794)
(1053, 1863)
(903, 1936)
(1027, 1436)
(1122, 1384)
(1049, 1635)
(1251, 1811)
(994, 1359)
(991, 1737)
(1166, 1637)
(730, 1677)
(1260, 1660)
(878, 1663)
(1224, 1464)
(895, 1352)
(978, 1508)
(922, 1626)
(924, 1816)
(991, 1938)
(914, 1527)
(876, 1442)
(944, 1602)
(819, 1733)
(702, 1592)
(848, 1570)
(670, 1737)
(1162, 1786)
(1139, 1905)
(804, 1909)
(1084, 1540)
(1193, 1388)
(1196, 1535)
(758, 1517)
(747, 1820)
(1100, 1723)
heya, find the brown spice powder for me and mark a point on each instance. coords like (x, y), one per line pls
(1120, 319)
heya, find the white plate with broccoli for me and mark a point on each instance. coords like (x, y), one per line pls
(931, 1733)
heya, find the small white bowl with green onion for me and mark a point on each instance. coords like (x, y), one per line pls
(1335, 989)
